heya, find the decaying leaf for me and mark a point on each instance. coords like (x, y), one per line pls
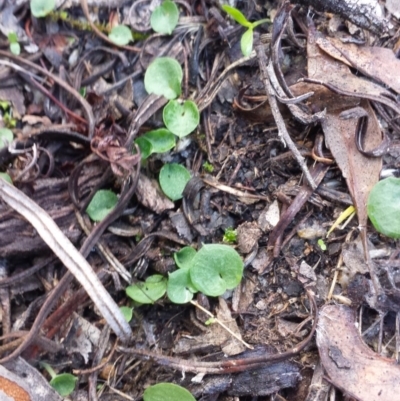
(378, 63)
(350, 364)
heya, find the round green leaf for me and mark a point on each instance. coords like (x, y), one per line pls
(180, 289)
(12, 37)
(167, 392)
(173, 179)
(102, 203)
(384, 207)
(15, 48)
(246, 42)
(149, 291)
(6, 137)
(145, 146)
(127, 312)
(236, 15)
(64, 384)
(6, 177)
(161, 140)
(121, 35)
(215, 269)
(181, 119)
(164, 77)
(165, 17)
(184, 257)
(40, 8)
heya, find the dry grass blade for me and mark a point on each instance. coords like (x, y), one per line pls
(69, 255)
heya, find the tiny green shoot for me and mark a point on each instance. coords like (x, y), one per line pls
(6, 137)
(383, 207)
(208, 167)
(41, 8)
(230, 236)
(101, 204)
(15, 47)
(246, 42)
(181, 119)
(322, 245)
(173, 179)
(121, 35)
(63, 383)
(165, 17)
(167, 392)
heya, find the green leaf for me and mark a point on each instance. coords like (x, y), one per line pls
(173, 179)
(41, 8)
(161, 140)
(6, 137)
(164, 77)
(215, 269)
(184, 257)
(15, 48)
(6, 177)
(145, 146)
(180, 289)
(181, 119)
(165, 17)
(4, 104)
(167, 392)
(12, 37)
(64, 384)
(121, 35)
(127, 312)
(384, 207)
(246, 42)
(260, 22)
(149, 291)
(237, 16)
(102, 203)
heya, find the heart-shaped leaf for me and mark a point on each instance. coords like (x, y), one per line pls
(101, 204)
(40, 8)
(184, 257)
(164, 77)
(215, 269)
(384, 207)
(167, 392)
(64, 384)
(180, 289)
(149, 291)
(173, 179)
(165, 17)
(121, 35)
(181, 119)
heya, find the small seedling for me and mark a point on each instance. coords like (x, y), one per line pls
(6, 177)
(101, 204)
(230, 236)
(15, 47)
(127, 312)
(41, 8)
(63, 383)
(347, 214)
(246, 42)
(383, 207)
(149, 291)
(157, 141)
(208, 167)
(165, 17)
(181, 119)
(6, 137)
(322, 244)
(167, 392)
(164, 77)
(173, 179)
(121, 35)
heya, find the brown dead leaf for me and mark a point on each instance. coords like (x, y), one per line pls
(350, 364)
(376, 62)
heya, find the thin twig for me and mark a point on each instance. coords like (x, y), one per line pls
(262, 59)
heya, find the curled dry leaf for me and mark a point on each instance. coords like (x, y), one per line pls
(350, 364)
